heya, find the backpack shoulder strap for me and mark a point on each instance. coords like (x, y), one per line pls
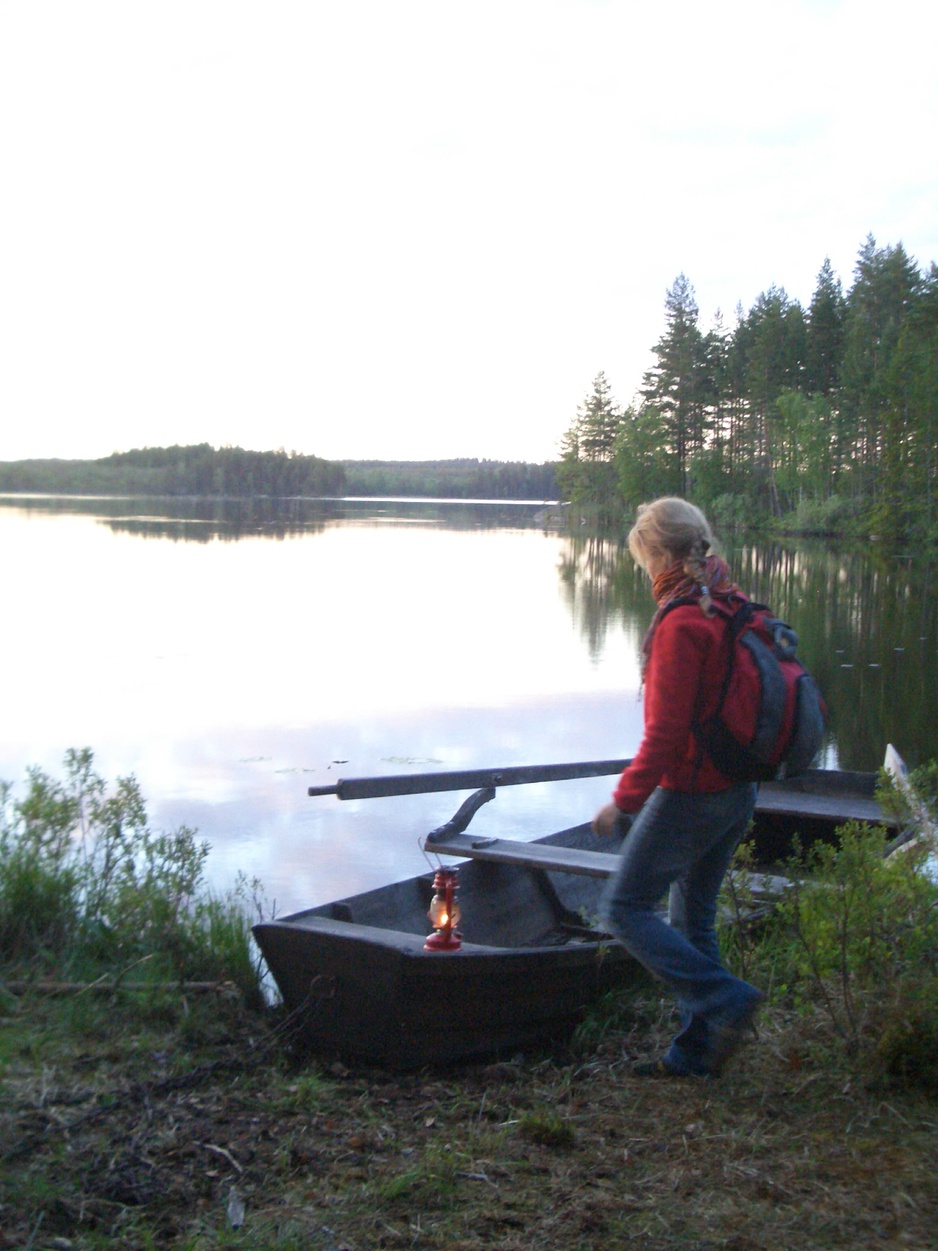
(682, 601)
(740, 617)
(737, 619)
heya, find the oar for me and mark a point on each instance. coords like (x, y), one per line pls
(466, 779)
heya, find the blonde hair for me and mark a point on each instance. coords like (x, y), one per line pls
(674, 530)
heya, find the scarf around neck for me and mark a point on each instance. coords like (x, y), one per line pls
(674, 582)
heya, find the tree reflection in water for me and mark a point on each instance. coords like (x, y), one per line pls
(866, 618)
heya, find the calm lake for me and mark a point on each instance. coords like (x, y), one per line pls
(231, 654)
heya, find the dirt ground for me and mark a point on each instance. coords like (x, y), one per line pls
(197, 1126)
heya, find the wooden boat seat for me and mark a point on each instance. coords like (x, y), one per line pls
(782, 799)
(829, 797)
(531, 855)
(566, 859)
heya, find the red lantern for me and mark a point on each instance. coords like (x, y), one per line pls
(444, 913)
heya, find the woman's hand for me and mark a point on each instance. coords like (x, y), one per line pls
(604, 823)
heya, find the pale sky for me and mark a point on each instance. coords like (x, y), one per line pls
(411, 229)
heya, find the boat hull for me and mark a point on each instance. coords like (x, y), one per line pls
(356, 977)
(361, 985)
(378, 996)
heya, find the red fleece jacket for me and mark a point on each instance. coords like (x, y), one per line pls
(684, 675)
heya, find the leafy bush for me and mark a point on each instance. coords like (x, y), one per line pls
(739, 917)
(855, 941)
(730, 511)
(86, 885)
(862, 925)
(832, 515)
(852, 944)
(923, 783)
(39, 881)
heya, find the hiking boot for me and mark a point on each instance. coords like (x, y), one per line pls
(726, 1039)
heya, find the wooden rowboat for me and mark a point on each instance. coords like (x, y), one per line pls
(361, 985)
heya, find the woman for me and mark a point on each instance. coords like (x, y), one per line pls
(690, 817)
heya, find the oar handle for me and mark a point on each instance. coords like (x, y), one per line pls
(466, 779)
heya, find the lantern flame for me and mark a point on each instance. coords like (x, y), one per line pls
(444, 913)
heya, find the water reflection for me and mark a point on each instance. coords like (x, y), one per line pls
(230, 675)
(866, 621)
(203, 520)
(256, 814)
(602, 587)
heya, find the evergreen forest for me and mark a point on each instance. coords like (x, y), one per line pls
(197, 469)
(815, 420)
(463, 479)
(233, 472)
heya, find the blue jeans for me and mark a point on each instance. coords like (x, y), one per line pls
(683, 842)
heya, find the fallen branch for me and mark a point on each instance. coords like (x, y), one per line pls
(22, 987)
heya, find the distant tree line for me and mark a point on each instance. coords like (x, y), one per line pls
(198, 469)
(823, 419)
(202, 470)
(452, 479)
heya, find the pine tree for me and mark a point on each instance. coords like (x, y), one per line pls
(598, 420)
(871, 430)
(677, 386)
(774, 338)
(825, 333)
(585, 474)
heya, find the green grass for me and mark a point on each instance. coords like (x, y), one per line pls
(123, 1128)
(126, 1115)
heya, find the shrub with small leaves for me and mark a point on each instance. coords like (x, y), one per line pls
(858, 935)
(86, 885)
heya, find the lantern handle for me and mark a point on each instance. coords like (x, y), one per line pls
(458, 822)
